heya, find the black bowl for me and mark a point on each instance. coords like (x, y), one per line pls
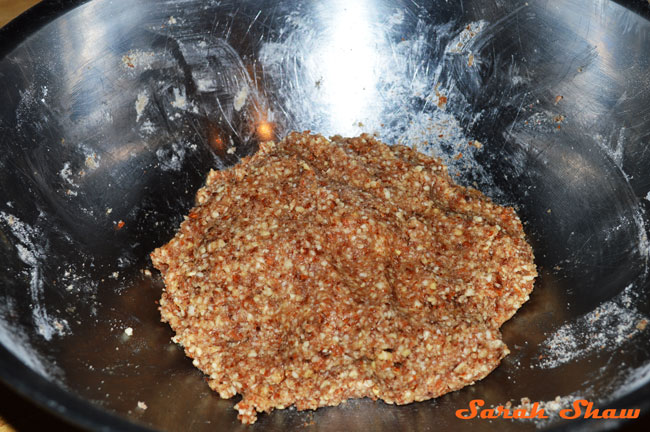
(113, 111)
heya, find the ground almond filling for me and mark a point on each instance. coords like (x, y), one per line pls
(320, 270)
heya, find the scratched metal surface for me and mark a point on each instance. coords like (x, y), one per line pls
(115, 111)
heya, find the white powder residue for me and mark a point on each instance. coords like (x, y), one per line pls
(518, 80)
(147, 127)
(613, 146)
(417, 115)
(77, 280)
(140, 104)
(435, 134)
(31, 248)
(551, 408)
(171, 159)
(605, 328)
(206, 84)
(629, 223)
(137, 60)
(643, 244)
(396, 18)
(30, 100)
(636, 379)
(240, 98)
(66, 174)
(92, 159)
(432, 130)
(123, 262)
(543, 121)
(180, 100)
(462, 42)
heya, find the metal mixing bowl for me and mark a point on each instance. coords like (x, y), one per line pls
(113, 111)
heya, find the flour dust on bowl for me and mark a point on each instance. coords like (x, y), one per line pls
(113, 113)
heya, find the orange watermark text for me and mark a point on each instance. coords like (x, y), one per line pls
(580, 408)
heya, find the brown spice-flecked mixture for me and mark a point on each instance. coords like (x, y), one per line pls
(317, 271)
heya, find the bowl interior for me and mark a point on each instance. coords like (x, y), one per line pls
(114, 111)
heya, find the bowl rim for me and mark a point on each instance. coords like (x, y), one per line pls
(56, 399)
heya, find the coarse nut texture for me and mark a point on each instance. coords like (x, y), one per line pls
(319, 270)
